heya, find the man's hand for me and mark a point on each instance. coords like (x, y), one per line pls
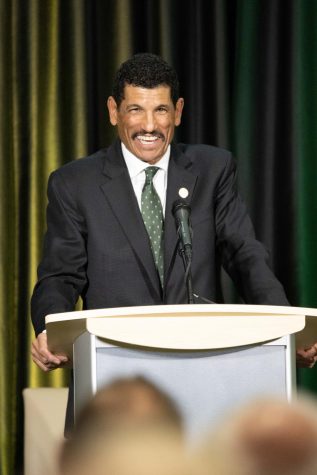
(306, 358)
(43, 357)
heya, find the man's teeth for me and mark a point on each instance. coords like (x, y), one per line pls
(147, 139)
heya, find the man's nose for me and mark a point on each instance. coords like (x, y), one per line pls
(149, 122)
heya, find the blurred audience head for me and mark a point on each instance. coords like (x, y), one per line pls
(267, 437)
(130, 427)
(138, 451)
(131, 400)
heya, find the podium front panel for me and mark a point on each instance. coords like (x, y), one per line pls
(205, 385)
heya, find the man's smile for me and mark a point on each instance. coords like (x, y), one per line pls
(148, 139)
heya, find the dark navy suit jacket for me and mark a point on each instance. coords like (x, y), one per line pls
(96, 245)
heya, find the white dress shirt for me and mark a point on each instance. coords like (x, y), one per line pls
(136, 169)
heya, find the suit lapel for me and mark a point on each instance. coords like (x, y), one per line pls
(180, 175)
(119, 193)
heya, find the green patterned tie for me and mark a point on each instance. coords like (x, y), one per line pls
(151, 209)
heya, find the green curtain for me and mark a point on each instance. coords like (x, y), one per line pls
(248, 72)
(305, 121)
(306, 137)
(274, 139)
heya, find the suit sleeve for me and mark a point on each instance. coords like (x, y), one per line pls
(244, 258)
(62, 271)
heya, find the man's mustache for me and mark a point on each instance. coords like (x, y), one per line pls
(154, 133)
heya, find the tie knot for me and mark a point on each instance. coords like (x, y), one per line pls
(149, 174)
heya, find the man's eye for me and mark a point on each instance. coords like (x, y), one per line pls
(134, 109)
(162, 110)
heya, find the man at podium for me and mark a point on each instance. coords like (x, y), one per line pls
(111, 236)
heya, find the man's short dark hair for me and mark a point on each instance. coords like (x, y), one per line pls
(145, 70)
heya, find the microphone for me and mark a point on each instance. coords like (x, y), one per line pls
(181, 211)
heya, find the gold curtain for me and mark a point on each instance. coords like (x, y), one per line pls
(43, 124)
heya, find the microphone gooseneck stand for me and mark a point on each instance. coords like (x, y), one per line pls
(186, 255)
(187, 261)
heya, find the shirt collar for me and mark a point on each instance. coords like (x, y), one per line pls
(136, 166)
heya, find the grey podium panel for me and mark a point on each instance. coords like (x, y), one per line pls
(205, 385)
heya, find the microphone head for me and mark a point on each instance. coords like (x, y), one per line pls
(180, 205)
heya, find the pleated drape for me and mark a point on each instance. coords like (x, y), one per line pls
(248, 73)
(43, 122)
(305, 157)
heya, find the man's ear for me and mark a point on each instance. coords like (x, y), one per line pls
(178, 111)
(113, 110)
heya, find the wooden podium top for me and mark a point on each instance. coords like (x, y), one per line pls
(184, 327)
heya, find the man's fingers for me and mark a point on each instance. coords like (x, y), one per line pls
(311, 352)
(48, 365)
(46, 358)
(306, 358)
(43, 357)
(40, 364)
(305, 362)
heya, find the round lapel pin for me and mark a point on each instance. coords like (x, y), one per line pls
(183, 192)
